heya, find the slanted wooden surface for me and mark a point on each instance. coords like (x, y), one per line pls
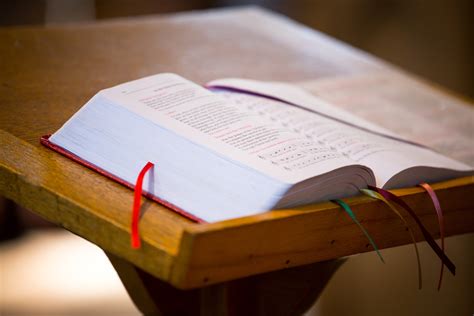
(47, 74)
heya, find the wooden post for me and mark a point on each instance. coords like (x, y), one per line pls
(290, 291)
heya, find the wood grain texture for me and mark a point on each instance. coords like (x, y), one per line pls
(48, 73)
(212, 253)
(87, 204)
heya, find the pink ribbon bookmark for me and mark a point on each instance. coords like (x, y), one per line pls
(439, 213)
(135, 237)
(440, 253)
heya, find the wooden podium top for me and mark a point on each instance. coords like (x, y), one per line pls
(48, 73)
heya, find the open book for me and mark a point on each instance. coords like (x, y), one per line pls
(240, 147)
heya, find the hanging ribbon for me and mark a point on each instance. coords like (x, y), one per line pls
(353, 217)
(439, 213)
(136, 243)
(378, 196)
(440, 253)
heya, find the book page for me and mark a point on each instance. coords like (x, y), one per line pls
(385, 156)
(297, 97)
(395, 101)
(228, 129)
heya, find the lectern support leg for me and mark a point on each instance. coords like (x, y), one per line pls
(285, 292)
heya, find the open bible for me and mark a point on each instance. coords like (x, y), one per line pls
(239, 147)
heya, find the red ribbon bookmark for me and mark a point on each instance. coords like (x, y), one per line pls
(440, 253)
(136, 243)
(439, 212)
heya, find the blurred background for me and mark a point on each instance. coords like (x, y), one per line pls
(48, 271)
(434, 39)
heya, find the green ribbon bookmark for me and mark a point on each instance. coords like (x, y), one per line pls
(353, 217)
(378, 196)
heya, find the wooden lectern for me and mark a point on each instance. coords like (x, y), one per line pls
(274, 263)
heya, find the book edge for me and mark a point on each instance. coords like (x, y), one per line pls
(44, 140)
